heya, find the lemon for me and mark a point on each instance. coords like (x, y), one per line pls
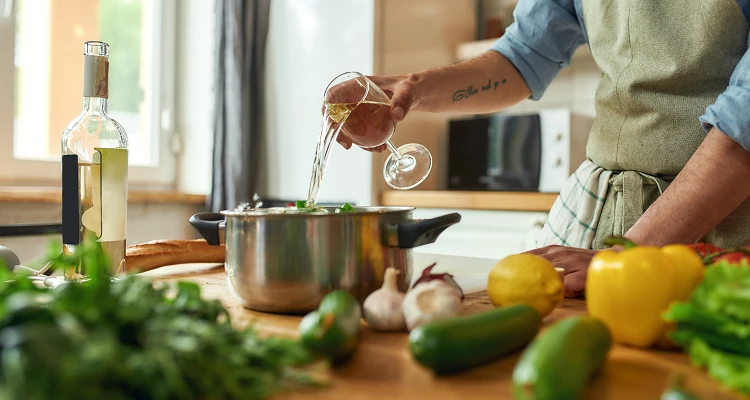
(525, 279)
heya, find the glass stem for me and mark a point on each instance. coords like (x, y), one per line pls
(393, 150)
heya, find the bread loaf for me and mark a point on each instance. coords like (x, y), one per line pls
(159, 253)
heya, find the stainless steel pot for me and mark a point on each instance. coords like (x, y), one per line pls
(279, 260)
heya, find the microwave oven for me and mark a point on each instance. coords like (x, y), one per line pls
(532, 152)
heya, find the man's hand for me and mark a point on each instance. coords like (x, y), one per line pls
(484, 84)
(574, 261)
(404, 95)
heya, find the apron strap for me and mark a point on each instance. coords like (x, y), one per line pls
(632, 192)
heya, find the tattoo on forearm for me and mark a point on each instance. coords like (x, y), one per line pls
(470, 91)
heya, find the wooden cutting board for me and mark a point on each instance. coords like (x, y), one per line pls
(383, 367)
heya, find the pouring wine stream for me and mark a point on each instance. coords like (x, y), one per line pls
(359, 109)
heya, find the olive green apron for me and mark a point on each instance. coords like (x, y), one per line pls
(662, 63)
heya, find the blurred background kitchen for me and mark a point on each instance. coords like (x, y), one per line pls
(222, 98)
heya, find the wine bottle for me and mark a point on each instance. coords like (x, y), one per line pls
(95, 168)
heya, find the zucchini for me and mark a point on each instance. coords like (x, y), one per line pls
(452, 345)
(333, 329)
(560, 363)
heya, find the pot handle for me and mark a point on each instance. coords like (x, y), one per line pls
(419, 232)
(211, 226)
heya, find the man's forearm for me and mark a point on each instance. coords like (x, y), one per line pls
(714, 182)
(484, 84)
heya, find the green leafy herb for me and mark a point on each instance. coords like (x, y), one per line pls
(301, 206)
(345, 208)
(127, 339)
(732, 370)
(714, 324)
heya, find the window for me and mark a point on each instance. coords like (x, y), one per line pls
(41, 74)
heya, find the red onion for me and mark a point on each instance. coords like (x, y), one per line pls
(427, 276)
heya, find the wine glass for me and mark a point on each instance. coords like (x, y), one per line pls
(363, 110)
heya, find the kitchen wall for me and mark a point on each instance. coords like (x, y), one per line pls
(415, 35)
(309, 43)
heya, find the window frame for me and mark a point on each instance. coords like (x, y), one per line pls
(14, 171)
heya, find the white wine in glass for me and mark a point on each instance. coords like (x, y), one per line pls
(363, 111)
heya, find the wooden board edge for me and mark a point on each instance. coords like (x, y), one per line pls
(498, 201)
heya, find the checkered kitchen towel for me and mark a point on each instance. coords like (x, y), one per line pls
(580, 217)
(575, 214)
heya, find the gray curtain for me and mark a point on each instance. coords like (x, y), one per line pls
(242, 28)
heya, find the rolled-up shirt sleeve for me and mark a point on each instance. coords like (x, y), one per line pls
(730, 112)
(541, 40)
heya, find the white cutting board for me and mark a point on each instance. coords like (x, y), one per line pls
(469, 272)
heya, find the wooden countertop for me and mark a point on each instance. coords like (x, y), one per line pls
(507, 201)
(52, 195)
(383, 367)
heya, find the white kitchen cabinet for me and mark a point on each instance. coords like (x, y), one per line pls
(484, 233)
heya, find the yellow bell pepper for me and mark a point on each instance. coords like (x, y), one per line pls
(631, 289)
(690, 269)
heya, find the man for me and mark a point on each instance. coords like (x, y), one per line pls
(668, 156)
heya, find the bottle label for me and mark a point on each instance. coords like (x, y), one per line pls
(95, 76)
(71, 206)
(114, 194)
(90, 178)
(95, 196)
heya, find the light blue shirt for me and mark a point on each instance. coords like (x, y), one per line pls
(546, 33)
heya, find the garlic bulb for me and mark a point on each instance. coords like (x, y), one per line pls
(383, 307)
(431, 301)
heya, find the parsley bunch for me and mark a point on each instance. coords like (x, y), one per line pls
(126, 339)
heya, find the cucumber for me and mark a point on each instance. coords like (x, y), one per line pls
(455, 344)
(678, 394)
(344, 305)
(561, 362)
(677, 391)
(333, 329)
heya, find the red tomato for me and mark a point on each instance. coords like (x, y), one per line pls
(705, 249)
(734, 257)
